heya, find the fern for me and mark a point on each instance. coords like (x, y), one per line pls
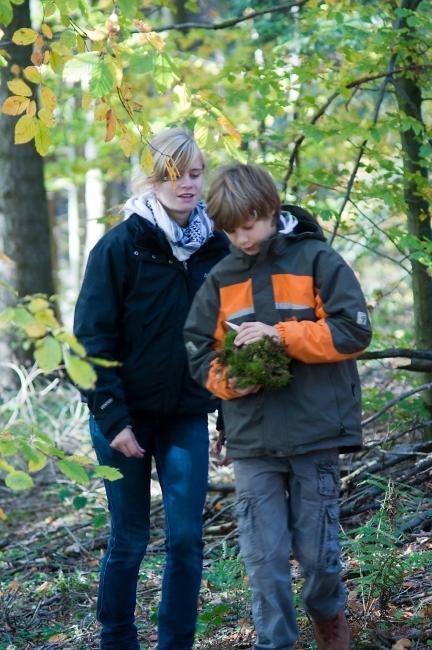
(378, 550)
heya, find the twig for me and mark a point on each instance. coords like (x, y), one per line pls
(394, 401)
(181, 27)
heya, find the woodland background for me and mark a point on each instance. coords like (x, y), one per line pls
(334, 98)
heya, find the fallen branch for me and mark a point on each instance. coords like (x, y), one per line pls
(392, 353)
(395, 401)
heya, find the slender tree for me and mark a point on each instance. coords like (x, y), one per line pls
(23, 202)
(413, 139)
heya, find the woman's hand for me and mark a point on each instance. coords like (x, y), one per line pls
(126, 443)
(251, 332)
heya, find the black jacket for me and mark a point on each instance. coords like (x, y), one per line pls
(132, 307)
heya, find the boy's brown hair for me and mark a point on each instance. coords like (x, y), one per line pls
(239, 193)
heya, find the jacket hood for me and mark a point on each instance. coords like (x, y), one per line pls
(307, 227)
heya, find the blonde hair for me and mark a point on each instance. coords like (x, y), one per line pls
(174, 148)
(239, 193)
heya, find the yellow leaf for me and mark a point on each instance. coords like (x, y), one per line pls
(82, 460)
(182, 96)
(31, 108)
(154, 39)
(15, 105)
(96, 35)
(39, 42)
(46, 117)
(32, 74)
(86, 100)
(100, 112)
(128, 142)
(37, 304)
(56, 62)
(147, 161)
(230, 129)
(25, 129)
(24, 36)
(3, 515)
(6, 466)
(46, 30)
(43, 587)
(48, 99)
(35, 330)
(19, 87)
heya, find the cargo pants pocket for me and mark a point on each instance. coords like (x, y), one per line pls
(251, 547)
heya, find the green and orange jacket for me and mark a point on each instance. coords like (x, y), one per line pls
(304, 288)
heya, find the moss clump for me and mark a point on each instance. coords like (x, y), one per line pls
(263, 363)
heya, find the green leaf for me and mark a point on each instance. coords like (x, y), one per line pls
(109, 473)
(6, 12)
(80, 67)
(140, 62)
(48, 354)
(74, 471)
(233, 150)
(22, 317)
(49, 8)
(79, 502)
(6, 316)
(165, 73)
(42, 138)
(73, 343)
(19, 480)
(36, 460)
(128, 8)
(8, 448)
(81, 372)
(102, 80)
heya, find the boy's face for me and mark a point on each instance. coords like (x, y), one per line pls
(252, 233)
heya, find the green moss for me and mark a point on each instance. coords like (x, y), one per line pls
(262, 363)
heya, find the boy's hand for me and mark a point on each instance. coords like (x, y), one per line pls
(126, 443)
(251, 332)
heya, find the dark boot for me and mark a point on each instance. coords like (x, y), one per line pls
(332, 633)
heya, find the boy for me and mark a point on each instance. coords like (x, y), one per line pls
(282, 280)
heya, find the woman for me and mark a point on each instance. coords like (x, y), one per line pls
(139, 283)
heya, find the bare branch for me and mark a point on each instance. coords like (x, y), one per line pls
(181, 27)
(393, 353)
(395, 401)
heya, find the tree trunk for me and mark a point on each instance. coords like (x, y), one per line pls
(23, 200)
(24, 215)
(409, 97)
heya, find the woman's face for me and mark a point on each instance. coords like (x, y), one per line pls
(180, 199)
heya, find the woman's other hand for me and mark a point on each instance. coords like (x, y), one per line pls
(126, 443)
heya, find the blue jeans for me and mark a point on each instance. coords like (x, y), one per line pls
(180, 447)
(286, 504)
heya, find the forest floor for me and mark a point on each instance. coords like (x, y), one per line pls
(54, 537)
